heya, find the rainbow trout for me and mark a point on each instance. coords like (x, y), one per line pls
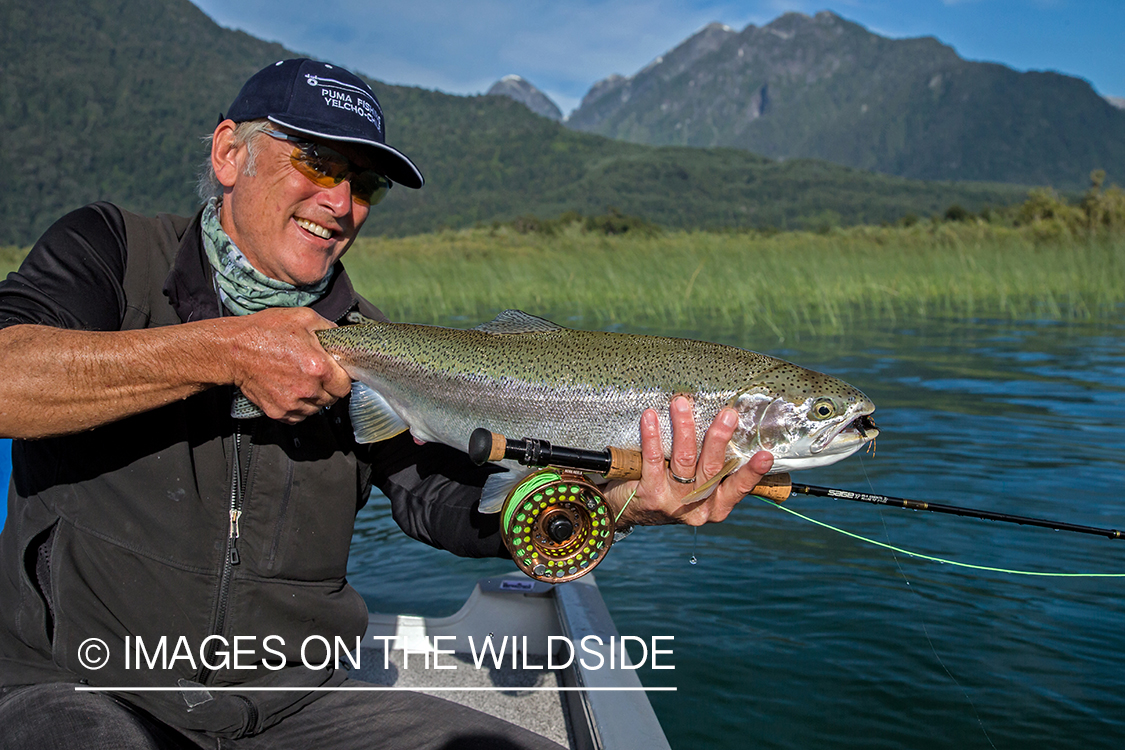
(520, 375)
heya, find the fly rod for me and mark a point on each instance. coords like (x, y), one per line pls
(617, 463)
(953, 510)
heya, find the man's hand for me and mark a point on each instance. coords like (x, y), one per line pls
(659, 497)
(278, 363)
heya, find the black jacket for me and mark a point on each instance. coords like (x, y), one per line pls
(132, 529)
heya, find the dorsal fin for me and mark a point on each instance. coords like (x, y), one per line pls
(517, 321)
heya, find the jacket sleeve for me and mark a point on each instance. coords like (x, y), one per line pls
(73, 276)
(434, 492)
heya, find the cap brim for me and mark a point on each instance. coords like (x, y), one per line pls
(390, 161)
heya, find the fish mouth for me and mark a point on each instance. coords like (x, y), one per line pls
(849, 436)
(833, 445)
(863, 425)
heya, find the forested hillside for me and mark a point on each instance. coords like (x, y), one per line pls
(108, 99)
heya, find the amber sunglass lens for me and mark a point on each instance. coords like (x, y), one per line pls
(330, 169)
(370, 187)
(321, 173)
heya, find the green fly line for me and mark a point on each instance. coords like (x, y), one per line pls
(931, 558)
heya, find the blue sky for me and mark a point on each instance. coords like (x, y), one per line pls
(564, 46)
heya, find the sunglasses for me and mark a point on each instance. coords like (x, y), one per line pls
(328, 168)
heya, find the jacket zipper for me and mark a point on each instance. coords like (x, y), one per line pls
(232, 558)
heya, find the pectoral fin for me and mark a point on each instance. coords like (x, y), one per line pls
(704, 490)
(497, 487)
(373, 419)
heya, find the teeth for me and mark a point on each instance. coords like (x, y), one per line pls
(316, 229)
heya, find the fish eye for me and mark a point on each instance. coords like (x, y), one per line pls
(824, 408)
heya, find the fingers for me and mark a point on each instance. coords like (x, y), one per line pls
(760, 464)
(337, 382)
(319, 383)
(683, 460)
(280, 365)
(652, 449)
(334, 381)
(738, 485)
(714, 453)
(659, 497)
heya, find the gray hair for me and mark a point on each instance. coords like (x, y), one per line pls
(249, 133)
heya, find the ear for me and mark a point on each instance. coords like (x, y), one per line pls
(224, 154)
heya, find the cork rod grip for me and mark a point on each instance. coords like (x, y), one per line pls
(499, 446)
(776, 487)
(623, 464)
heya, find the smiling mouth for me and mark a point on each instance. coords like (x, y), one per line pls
(315, 229)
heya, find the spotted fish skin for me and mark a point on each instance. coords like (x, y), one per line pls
(523, 376)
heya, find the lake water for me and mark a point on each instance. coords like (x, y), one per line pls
(788, 635)
(791, 636)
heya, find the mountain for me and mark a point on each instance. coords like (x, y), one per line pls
(112, 102)
(826, 88)
(1117, 101)
(521, 90)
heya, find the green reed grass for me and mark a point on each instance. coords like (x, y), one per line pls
(10, 257)
(788, 282)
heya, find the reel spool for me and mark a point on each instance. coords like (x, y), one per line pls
(557, 525)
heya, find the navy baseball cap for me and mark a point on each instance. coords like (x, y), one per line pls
(323, 101)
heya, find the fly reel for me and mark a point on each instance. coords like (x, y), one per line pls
(557, 525)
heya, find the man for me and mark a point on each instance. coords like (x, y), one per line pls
(141, 507)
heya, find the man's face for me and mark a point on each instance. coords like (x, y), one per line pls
(289, 228)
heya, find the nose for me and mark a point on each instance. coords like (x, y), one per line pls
(338, 198)
(338, 201)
